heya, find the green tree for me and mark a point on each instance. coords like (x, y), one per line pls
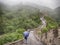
(1, 19)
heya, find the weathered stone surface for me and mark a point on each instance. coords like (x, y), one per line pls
(50, 39)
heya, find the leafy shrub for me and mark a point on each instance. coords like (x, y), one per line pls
(10, 37)
(51, 24)
(44, 30)
(20, 30)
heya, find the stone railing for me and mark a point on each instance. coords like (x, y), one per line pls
(19, 42)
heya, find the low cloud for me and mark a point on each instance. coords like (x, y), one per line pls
(48, 3)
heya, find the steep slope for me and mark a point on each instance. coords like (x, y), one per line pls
(58, 12)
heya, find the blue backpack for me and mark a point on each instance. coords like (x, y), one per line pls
(26, 34)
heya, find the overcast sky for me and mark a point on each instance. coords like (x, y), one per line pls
(48, 3)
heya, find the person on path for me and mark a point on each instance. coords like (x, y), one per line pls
(26, 34)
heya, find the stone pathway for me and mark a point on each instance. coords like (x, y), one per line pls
(32, 40)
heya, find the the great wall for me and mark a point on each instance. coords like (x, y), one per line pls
(52, 37)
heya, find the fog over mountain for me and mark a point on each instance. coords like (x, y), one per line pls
(48, 3)
(52, 7)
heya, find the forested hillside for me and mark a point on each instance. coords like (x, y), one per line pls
(14, 21)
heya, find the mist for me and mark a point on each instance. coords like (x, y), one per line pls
(48, 3)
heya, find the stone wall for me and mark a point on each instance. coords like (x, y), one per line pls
(19, 42)
(52, 37)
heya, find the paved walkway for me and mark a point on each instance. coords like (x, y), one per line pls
(32, 40)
